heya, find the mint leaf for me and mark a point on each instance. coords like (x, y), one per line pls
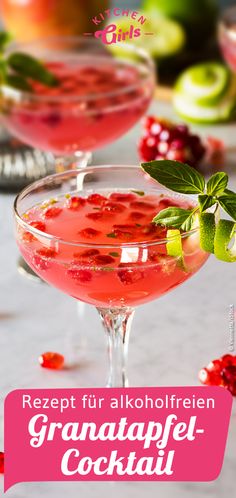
(18, 82)
(112, 235)
(227, 191)
(28, 67)
(5, 38)
(3, 70)
(138, 192)
(217, 183)
(187, 225)
(228, 203)
(172, 217)
(206, 201)
(176, 176)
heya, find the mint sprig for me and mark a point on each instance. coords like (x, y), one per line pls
(184, 179)
(176, 176)
(18, 69)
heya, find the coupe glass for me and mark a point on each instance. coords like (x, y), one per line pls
(227, 36)
(140, 271)
(103, 92)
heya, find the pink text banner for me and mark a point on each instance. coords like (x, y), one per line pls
(159, 434)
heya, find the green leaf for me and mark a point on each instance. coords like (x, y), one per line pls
(138, 192)
(217, 183)
(176, 176)
(112, 235)
(5, 38)
(29, 67)
(3, 70)
(172, 217)
(227, 191)
(114, 254)
(228, 203)
(18, 82)
(206, 201)
(187, 225)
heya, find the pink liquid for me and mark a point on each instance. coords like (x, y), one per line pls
(82, 113)
(227, 40)
(107, 276)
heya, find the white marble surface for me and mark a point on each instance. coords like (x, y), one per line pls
(183, 331)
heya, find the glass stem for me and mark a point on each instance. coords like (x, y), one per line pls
(117, 324)
(74, 161)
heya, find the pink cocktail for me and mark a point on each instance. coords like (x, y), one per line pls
(101, 94)
(227, 36)
(92, 236)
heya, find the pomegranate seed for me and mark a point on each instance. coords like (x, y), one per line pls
(227, 359)
(122, 197)
(165, 135)
(148, 229)
(182, 129)
(163, 148)
(103, 259)
(89, 233)
(28, 236)
(95, 216)
(146, 150)
(39, 225)
(232, 388)
(1, 462)
(96, 199)
(146, 206)
(178, 144)
(52, 212)
(157, 257)
(136, 215)
(176, 155)
(209, 378)
(82, 276)
(204, 376)
(165, 203)
(156, 128)
(52, 119)
(114, 207)
(215, 366)
(148, 121)
(229, 374)
(125, 227)
(86, 255)
(129, 275)
(41, 263)
(47, 252)
(156, 230)
(54, 361)
(121, 234)
(76, 202)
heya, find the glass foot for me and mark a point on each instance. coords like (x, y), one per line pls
(26, 271)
